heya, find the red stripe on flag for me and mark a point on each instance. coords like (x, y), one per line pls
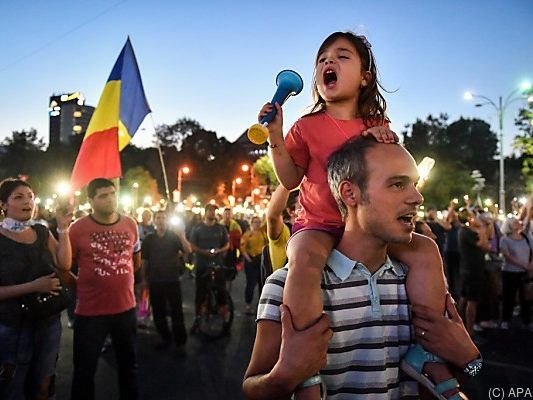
(98, 158)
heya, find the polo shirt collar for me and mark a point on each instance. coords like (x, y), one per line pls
(342, 266)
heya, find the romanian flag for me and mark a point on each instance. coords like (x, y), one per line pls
(120, 111)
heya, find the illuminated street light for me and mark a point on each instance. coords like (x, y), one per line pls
(500, 108)
(424, 168)
(246, 168)
(234, 183)
(183, 170)
(63, 188)
(126, 201)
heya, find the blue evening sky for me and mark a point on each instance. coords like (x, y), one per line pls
(216, 61)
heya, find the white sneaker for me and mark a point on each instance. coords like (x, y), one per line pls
(505, 326)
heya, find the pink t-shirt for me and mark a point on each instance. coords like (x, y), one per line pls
(310, 142)
(104, 255)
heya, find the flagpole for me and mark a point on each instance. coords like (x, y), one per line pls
(162, 162)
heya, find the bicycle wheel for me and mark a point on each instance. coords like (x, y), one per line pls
(211, 322)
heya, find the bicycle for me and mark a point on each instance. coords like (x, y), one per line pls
(216, 314)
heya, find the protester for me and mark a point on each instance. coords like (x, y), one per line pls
(28, 348)
(517, 250)
(451, 254)
(473, 245)
(278, 230)
(209, 240)
(438, 226)
(252, 243)
(368, 332)
(348, 104)
(106, 249)
(231, 258)
(160, 258)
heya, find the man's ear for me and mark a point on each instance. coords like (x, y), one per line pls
(349, 193)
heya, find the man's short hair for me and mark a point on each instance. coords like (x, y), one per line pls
(210, 206)
(348, 163)
(463, 214)
(96, 184)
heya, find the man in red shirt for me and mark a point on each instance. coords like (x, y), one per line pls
(105, 246)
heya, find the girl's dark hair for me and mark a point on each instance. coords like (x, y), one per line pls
(8, 186)
(371, 104)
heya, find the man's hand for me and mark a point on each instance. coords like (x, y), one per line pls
(443, 336)
(302, 353)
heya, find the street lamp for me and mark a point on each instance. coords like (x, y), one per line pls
(234, 183)
(500, 110)
(135, 192)
(246, 168)
(183, 170)
(424, 168)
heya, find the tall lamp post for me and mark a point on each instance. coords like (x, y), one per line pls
(500, 107)
(246, 168)
(135, 193)
(234, 183)
(183, 170)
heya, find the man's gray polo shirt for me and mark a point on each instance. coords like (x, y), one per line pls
(369, 316)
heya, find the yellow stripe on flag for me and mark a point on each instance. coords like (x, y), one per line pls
(106, 114)
(123, 136)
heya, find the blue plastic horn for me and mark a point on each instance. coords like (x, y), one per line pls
(290, 83)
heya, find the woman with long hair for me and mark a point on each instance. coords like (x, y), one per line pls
(30, 258)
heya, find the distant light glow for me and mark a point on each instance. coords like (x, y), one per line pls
(63, 188)
(468, 96)
(525, 86)
(126, 200)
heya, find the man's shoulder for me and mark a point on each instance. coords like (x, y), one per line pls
(82, 223)
(129, 221)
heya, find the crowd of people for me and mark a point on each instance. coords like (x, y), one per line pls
(353, 298)
(112, 265)
(488, 262)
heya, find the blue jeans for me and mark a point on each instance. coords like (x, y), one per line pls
(89, 337)
(28, 355)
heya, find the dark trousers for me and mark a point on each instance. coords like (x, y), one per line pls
(252, 270)
(514, 282)
(452, 273)
(89, 336)
(167, 296)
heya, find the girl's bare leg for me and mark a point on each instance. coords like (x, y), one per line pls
(426, 285)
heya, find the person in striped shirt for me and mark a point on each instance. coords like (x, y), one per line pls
(366, 330)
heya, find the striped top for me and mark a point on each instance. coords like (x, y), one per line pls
(369, 316)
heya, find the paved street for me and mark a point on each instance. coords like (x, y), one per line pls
(212, 370)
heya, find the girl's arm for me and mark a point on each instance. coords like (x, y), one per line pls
(289, 174)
